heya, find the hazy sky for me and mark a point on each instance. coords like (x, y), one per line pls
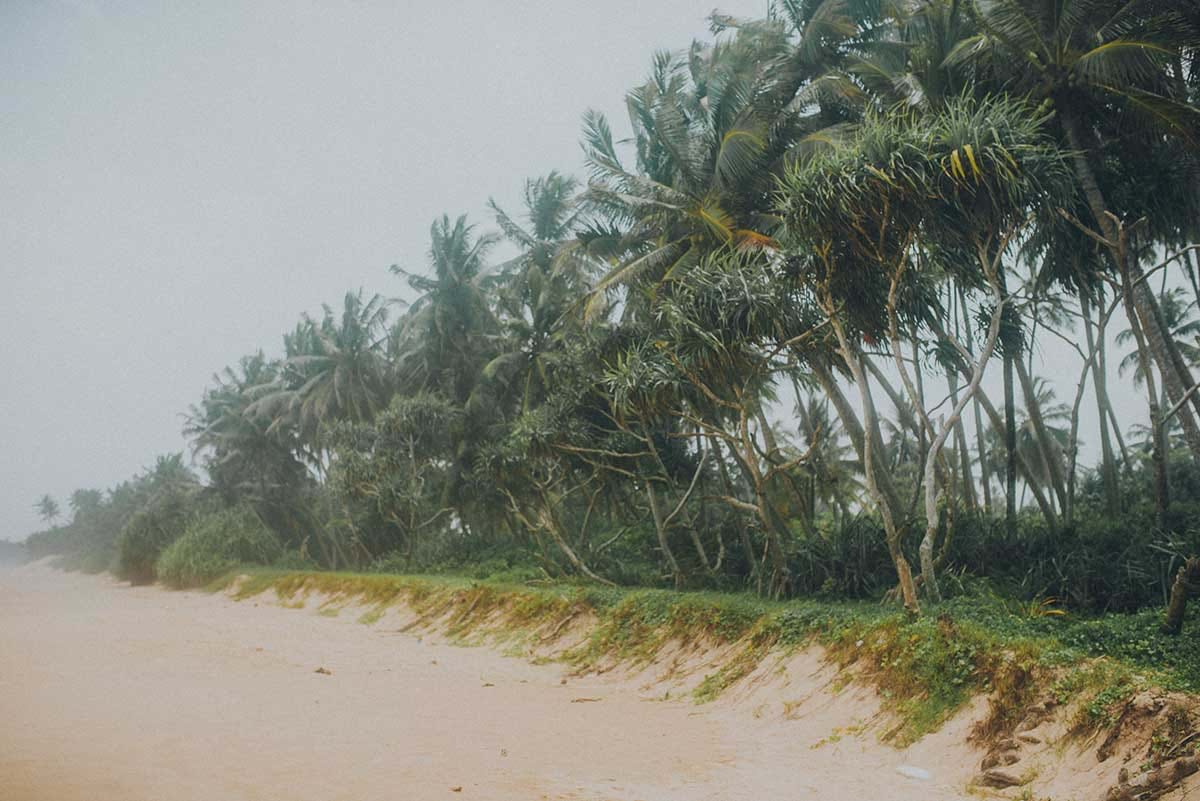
(179, 181)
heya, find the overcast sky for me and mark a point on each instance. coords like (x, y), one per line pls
(179, 181)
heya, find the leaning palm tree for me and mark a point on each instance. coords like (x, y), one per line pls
(248, 455)
(710, 133)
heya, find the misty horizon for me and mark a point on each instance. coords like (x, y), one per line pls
(184, 183)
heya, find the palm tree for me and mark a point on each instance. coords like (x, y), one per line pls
(1182, 325)
(444, 337)
(248, 454)
(831, 463)
(343, 375)
(538, 289)
(47, 509)
(1108, 68)
(710, 131)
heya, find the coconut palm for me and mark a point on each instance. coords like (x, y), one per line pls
(47, 509)
(537, 290)
(248, 454)
(1109, 68)
(1182, 324)
(445, 335)
(710, 132)
(335, 371)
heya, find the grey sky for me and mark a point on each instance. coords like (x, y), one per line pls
(182, 180)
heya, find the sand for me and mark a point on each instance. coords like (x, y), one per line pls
(140, 694)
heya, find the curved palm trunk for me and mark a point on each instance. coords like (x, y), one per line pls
(928, 571)
(1162, 486)
(1176, 376)
(857, 433)
(887, 511)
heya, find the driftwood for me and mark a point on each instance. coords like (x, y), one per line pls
(1154, 783)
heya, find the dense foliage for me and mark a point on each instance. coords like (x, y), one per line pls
(214, 544)
(750, 350)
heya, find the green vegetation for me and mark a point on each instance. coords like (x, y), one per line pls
(214, 544)
(749, 355)
(149, 532)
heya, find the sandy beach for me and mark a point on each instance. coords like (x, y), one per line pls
(140, 694)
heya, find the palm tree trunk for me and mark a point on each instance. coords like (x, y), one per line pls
(1010, 421)
(1108, 467)
(997, 422)
(1176, 376)
(1187, 584)
(1050, 455)
(1162, 486)
(660, 530)
(856, 432)
(1010, 447)
(547, 520)
(960, 444)
(1122, 448)
(985, 472)
(888, 512)
(928, 572)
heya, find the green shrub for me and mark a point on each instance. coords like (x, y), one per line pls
(214, 544)
(148, 532)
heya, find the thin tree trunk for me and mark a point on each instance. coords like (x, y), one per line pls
(1050, 455)
(985, 471)
(928, 572)
(856, 432)
(1162, 348)
(660, 530)
(1162, 486)
(1073, 439)
(1108, 467)
(743, 534)
(1010, 447)
(547, 522)
(997, 422)
(1010, 422)
(908, 589)
(960, 444)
